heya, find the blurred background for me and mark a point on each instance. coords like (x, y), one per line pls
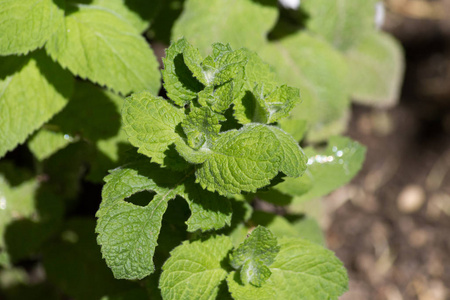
(391, 225)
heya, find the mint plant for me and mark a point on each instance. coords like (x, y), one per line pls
(80, 94)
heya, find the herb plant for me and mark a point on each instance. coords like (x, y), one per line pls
(80, 87)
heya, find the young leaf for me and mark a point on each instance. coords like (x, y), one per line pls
(194, 270)
(376, 70)
(301, 270)
(150, 122)
(342, 22)
(181, 86)
(204, 23)
(329, 169)
(246, 159)
(319, 71)
(23, 110)
(254, 256)
(95, 43)
(28, 24)
(201, 127)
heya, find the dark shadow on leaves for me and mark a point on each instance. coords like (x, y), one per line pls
(185, 75)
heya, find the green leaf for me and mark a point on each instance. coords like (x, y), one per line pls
(301, 270)
(246, 159)
(28, 24)
(342, 22)
(208, 210)
(23, 110)
(181, 86)
(201, 127)
(329, 169)
(296, 227)
(128, 228)
(254, 256)
(194, 270)
(47, 142)
(138, 13)
(204, 23)
(319, 71)
(376, 70)
(15, 203)
(97, 44)
(150, 122)
(127, 232)
(75, 249)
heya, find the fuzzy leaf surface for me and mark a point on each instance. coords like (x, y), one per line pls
(341, 22)
(246, 159)
(28, 24)
(319, 71)
(194, 269)
(97, 44)
(376, 69)
(150, 122)
(255, 255)
(204, 23)
(23, 110)
(301, 270)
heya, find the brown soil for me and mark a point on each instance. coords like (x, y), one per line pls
(391, 225)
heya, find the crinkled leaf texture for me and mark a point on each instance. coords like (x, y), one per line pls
(128, 233)
(234, 161)
(246, 159)
(327, 170)
(301, 270)
(23, 110)
(28, 24)
(376, 69)
(255, 255)
(97, 44)
(195, 269)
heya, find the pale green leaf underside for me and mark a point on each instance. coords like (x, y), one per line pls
(27, 24)
(301, 270)
(96, 44)
(194, 270)
(247, 159)
(128, 233)
(341, 22)
(330, 169)
(150, 122)
(206, 22)
(23, 110)
(319, 71)
(376, 70)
